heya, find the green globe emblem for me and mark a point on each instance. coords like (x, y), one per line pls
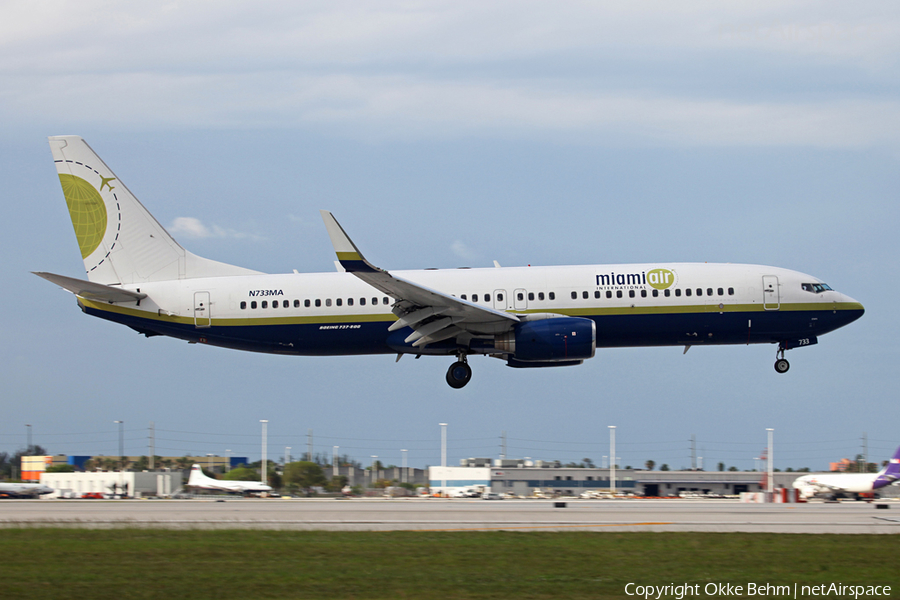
(88, 212)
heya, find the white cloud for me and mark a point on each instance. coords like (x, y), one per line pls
(191, 227)
(435, 70)
(461, 250)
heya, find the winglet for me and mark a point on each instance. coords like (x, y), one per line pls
(348, 254)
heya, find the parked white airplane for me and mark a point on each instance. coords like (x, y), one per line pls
(527, 316)
(198, 479)
(23, 490)
(836, 484)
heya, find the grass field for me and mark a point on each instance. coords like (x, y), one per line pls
(154, 563)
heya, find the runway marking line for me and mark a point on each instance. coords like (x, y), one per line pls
(546, 527)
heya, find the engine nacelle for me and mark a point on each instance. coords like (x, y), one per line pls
(564, 339)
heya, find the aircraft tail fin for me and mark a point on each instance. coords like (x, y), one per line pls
(892, 471)
(197, 477)
(120, 241)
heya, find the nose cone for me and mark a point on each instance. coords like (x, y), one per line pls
(852, 308)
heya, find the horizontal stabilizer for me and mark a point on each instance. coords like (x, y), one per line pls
(90, 290)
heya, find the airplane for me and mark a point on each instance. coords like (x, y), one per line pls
(838, 484)
(23, 490)
(530, 317)
(198, 479)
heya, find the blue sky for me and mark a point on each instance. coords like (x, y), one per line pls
(450, 134)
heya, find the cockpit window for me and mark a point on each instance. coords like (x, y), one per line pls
(816, 288)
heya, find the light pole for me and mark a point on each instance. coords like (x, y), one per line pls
(265, 458)
(28, 430)
(334, 461)
(612, 458)
(403, 474)
(374, 469)
(287, 455)
(770, 478)
(121, 447)
(209, 461)
(443, 456)
(228, 462)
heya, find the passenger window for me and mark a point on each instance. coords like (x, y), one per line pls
(584, 295)
(306, 303)
(608, 294)
(531, 296)
(520, 296)
(709, 291)
(253, 304)
(463, 297)
(644, 293)
(327, 301)
(297, 303)
(374, 301)
(631, 293)
(540, 295)
(274, 304)
(678, 292)
(474, 297)
(487, 297)
(699, 291)
(551, 296)
(731, 291)
(596, 294)
(499, 297)
(362, 301)
(349, 301)
(243, 306)
(264, 304)
(318, 302)
(574, 295)
(656, 293)
(687, 292)
(667, 293)
(721, 292)
(339, 301)
(618, 293)
(386, 300)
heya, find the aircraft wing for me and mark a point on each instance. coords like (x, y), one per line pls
(433, 315)
(828, 486)
(90, 290)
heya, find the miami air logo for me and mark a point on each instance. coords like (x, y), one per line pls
(661, 278)
(87, 209)
(655, 278)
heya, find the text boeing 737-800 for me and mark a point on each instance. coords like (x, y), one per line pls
(138, 275)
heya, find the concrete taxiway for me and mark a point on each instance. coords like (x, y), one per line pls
(457, 515)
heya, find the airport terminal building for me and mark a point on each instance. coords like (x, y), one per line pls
(526, 478)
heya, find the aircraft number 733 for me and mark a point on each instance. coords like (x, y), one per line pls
(139, 276)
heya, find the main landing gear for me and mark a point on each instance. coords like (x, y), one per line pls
(459, 373)
(781, 363)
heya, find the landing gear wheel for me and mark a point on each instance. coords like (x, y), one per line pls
(782, 365)
(459, 374)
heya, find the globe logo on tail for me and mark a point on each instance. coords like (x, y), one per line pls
(88, 212)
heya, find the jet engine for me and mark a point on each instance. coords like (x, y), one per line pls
(548, 342)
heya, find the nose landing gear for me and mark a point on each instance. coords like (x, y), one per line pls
(459, 373)
(781, 363)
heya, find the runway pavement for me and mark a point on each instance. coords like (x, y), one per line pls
(457, 515)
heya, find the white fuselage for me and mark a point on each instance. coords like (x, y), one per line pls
(337, 313)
